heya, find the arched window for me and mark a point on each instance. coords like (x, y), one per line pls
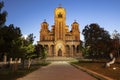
(59, 15)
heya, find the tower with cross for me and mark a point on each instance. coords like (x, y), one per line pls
(60, 41)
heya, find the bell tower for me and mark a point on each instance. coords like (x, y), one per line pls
(60, 23)
(60, 41)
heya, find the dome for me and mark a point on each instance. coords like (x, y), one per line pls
(44, 23)
(60, 9)
(75, 22)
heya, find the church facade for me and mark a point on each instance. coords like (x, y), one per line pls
(59, 41)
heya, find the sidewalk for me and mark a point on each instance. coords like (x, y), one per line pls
(58, 71)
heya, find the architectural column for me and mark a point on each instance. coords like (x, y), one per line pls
(58, 31)
(71, 48)
(49, 50)
(75, 50)
(52, 50)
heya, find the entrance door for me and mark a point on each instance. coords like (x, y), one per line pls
(59, 52)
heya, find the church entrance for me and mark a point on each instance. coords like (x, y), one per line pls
(59, 52)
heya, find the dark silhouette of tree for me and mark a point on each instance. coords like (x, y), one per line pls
(9, 40)
(30, 38)
(2, 15)
(40, 51)
(1, 5)
(28, 49)
(116, 42)
(9, 36)
(12, 43)
(97, 39)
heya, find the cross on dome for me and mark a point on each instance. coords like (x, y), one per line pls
(60, 5)
(44, 20)
(74, 20)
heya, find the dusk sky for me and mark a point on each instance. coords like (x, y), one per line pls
(29, 14)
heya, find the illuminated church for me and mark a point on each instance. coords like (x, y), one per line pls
(59, 41)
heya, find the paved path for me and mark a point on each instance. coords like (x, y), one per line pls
(58, 71)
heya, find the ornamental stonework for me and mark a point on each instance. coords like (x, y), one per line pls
(60, 41)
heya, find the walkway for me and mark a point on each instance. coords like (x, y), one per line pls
(58, 71)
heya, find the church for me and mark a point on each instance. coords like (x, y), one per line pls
(60, 41)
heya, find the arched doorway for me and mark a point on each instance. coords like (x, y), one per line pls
(59, 48)
(59, 52)
(73, 50)
(78, 48)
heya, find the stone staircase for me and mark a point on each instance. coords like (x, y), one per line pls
(68, 59)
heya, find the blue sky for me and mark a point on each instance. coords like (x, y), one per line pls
(29, 14)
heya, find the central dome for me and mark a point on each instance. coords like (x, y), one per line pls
(60, 10)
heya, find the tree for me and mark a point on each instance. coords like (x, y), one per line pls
(44, 54)
(9, 40)
(10, 43)
(83, 49)
(30, 38)
(2, 15)
(41, 51)
(38, 50)
(28, 48)
(116, 42)
(30, 53)
(1, 5)
(97, 39)
(2, 21)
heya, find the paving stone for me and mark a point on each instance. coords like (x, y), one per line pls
(58, 71)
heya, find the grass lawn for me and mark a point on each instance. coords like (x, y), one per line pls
(8, 74)
(99, 68)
